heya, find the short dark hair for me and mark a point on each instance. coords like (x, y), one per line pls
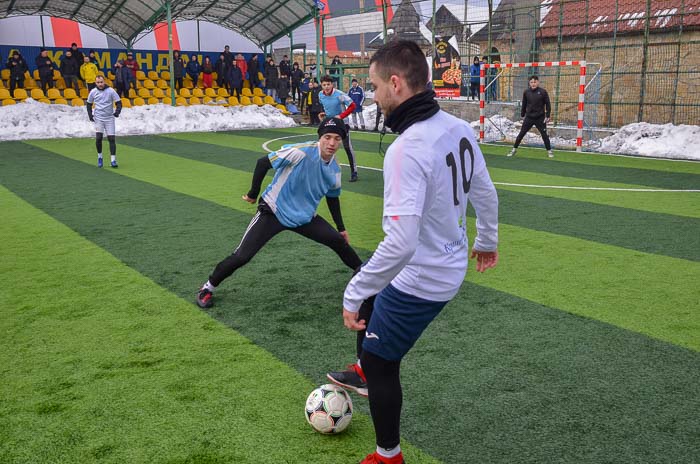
(534, 76)
(354, 80)
(403, 58)
(326, 78)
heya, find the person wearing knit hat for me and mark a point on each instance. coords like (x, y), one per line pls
(304, 174)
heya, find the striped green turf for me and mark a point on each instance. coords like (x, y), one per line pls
(570, 274)
(100, 364)
(495, 379)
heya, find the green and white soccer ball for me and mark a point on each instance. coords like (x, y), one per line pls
(328, 409)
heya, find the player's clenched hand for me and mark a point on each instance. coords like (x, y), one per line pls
(345, 235)
(485, 259)
(351, 322)
(248, 199)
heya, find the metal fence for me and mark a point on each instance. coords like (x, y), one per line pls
(643, 55)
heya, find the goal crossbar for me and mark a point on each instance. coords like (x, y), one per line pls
(535, 64)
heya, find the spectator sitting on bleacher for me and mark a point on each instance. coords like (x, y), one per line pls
(221, 70)
(46, 67)
(234, 79)
(193, 69)
(70, 70)
(133, 66)
(178, 69)
(17, 66)
(242, 65)
(122, 79)
(77, 55)
(207, 69)
(271, 78)
(88, 71)
(253, 69)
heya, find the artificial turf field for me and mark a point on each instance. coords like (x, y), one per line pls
(582, 346)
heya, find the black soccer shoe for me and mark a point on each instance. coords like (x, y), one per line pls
(205, 298)
(352, 379)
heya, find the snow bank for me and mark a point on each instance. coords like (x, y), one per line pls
(34, 120)
(663, 141)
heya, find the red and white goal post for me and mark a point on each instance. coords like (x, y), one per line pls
(537, 64)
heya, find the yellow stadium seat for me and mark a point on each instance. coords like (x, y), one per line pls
(158, 93)
(69, 94)
(180, 101)
(165, 75)
(35, 74)
(246, 83)
(152, 75)
(60, 101)
(167, 101)
(258, 101)
(268, 100)
(153, 101)
(109, 83)
(233, 101)
(77, 102)
(132, 93)
(282, 108)
(208, 100)
(81, 84)
(188, 84)
(56, 74)
(214, 76)
(144, 93)
(5, 74)
(245, 101)
(110, 75)
(53, 94)
(37, 94)
(84, 93)
(2, 84)
(140, 75)
(195, 101)
(5, 94)
(257, 91)
(185, 93)
(148, 84)
(59, 84)
(101, 73)
(197, 93)
(44, 100)
(222, 92)
(162, 84)
(247, 93)
(30, 84)
(126, 103)
(138, 101)
(20, 94)
(210, 92)
(8, 102)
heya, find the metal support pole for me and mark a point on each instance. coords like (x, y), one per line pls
(384, 18)
(41, 22)
(199, 44)
(317, 19)
(645, 61)
(170, 52)
(433, 48)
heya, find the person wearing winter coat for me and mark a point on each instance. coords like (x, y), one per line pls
(305, 88)
(77, 54)
(283, 89)
(221, 71)
(296, 77)
(234, 80)
(242, 65)
(18, 67)
(315, 105)
(45, 67)
(70, 71)
(285, 67)
(193, 69)
(88, 72)
(133, 66)
(122, 79)
(178, 69)
(474, 78)
(207, 70)
(271, 78)
(253, 70)
(357, 94)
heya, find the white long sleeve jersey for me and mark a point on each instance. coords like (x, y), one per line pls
(430, 172)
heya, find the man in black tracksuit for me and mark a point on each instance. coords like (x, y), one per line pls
(536, 111)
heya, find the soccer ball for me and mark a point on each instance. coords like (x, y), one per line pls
(328, 409)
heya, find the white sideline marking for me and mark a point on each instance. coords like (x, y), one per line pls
(509, 184)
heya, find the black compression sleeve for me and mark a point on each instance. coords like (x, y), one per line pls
(334, 208)
(119, 106)
(261, 169)
(89, 109)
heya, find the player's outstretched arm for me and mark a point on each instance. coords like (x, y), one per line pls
(263, 165)
(88, 106)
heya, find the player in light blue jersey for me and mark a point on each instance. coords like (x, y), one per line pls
(305, 173)
(333, 101)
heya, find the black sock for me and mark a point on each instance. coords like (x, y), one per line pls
(385, 398)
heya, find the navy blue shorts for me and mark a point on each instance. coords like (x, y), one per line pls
(398, 320)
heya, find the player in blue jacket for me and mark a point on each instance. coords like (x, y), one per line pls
(333, 101)
(357, 94)
(305, 173)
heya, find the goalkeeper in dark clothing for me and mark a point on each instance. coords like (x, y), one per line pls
(536, 111)
(305, 173)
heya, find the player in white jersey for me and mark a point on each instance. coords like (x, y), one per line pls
(430, 172)
(101, 111)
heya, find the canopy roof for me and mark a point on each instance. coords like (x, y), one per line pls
(262, 21)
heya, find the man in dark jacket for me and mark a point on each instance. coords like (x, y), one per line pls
(271, 78)
(315, 107)
(17, 66)
(122, 79)
(253, 69)
(70, 71)
(77, 54)
(474, 79)
(285, 67)
(234, 79)
(178, 69)
(283, 89)
(536, 111)
(45, 67)
(296, 77)
(193, 69)
(221, 69)
(133, 66)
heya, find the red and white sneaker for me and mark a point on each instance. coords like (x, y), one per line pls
(375, 458)
(353, 379)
